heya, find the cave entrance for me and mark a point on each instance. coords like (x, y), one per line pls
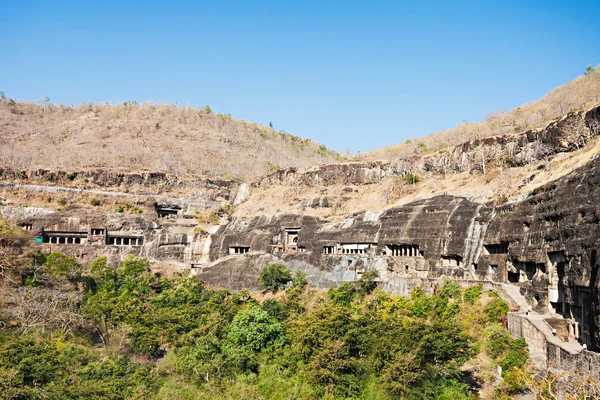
(513, 277)
(237, 250)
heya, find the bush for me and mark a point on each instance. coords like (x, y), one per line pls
(497, 340)
(58, 264)
(513, 381)
(200, 229)
(517, 355)
(411, 179)
(299, 280)
(95, 201)
(343, 295)
(145, 341)
(274, 277)
(496, 309)
(473, 294)
(449, 290)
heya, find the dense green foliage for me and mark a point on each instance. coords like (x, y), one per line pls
(274, 277)
(152, 337)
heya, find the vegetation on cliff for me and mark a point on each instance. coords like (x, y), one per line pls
(127, 333)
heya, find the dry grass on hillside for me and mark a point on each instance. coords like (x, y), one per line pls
(495, 187)
(154, 137)
(579, 94)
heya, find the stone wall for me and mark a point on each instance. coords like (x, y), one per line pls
(546, 355)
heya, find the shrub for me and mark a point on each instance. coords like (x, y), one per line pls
(411, 179)
(496, 309)
(62, 201)
(497, 340)
(299, 280)
(227, 209)
(449, 290)
(274, 277)
(517, 355)
(343, 295)
(95, 201)
(200, 229)
(58, 264)
(70, 176)
(144, 341)
(473, 294)
(513, 381)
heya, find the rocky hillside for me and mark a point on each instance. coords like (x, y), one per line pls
(579, 94)
(133, 137)
(491, 170)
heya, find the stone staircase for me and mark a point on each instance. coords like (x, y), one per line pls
(514, 292)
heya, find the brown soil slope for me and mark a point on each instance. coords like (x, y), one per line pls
(132, 137)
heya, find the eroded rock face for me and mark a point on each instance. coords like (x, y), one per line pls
(553, 237)
(87, 235)
(210, 188)
(546, 244)
(428, 238)
(567, 134)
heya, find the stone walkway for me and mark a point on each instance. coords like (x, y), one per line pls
(537, 319)
(572, 346)
(515, 293)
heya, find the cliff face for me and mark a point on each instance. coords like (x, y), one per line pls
(552, 240)
(565, 135)
(87, 235)
(546, 244)
(428, 238)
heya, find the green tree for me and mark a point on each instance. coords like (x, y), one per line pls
(366, 284)
(299, 280)
(274, 277)
(253, 330)
(58, 264)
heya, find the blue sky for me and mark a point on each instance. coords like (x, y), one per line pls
(350, 74)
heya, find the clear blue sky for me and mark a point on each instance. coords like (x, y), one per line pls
(349, 74)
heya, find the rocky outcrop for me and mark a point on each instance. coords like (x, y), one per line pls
(106, 178)
(87, 235)
(567, 134)
(428, 238)
(552, 240)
